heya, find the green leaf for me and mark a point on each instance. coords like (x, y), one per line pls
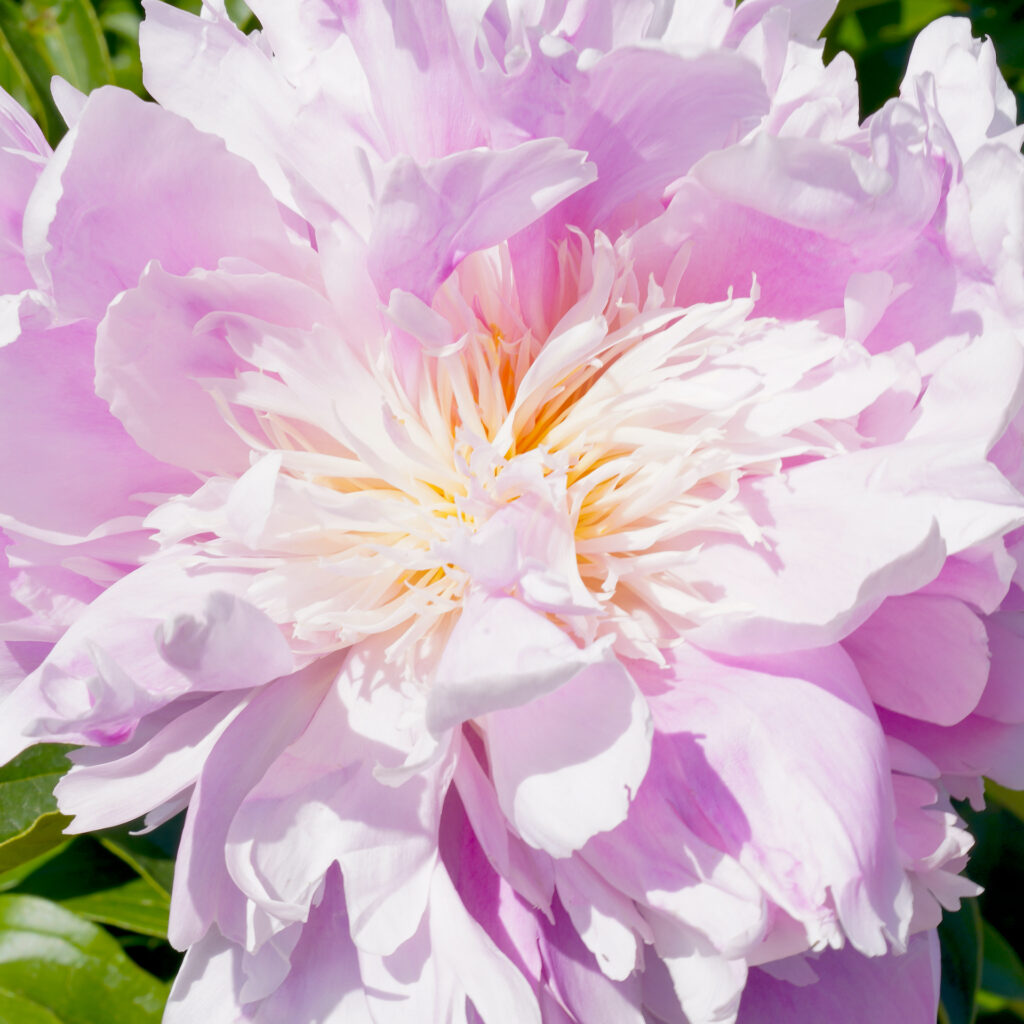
(1002, 976)
(72, 968)
(69, 32)
(99, 878)
(24, 64)
(152, 862)
(81, 868)
(17, 1008)
(15, 876)
(29, 821)
(1010, 799)
(961, 938)
(45, 834)
(135, 906)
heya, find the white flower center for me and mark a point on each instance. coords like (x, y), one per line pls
(578, 471)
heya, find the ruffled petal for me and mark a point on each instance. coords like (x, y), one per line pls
(567, 764)
(91, 225)
(851, 988)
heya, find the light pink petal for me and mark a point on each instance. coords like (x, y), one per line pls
(1003, 698)
(50, 415)
(324, 984)
(974, 747)
(566, 765)
(450, 961)
(159, 362)
(800, 214)
(431, 216)
(806, 19)
(502, 654)
(92, 225)
(708, 987)
(108, 670)
(583, 989)
(325, 785)
(322, 987)
(422, 94)
(980, 576)
(207, 984)
(796, 745)
(203, 891)
(311, 148)
(852, 989)
(973, 100)
(526, 870)
(926, 657)
(607, 921)
(667, 857)
(646, 117)
(39, 602)
(992, 365)
(22, 156)
(109, 786)
(18, 129)
(781, 597)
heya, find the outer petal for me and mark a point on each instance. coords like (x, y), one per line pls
(208, 984)
(782, 599)
(50, 415)
(926, 657)
(800, 215)
(431, 216)
(114, 665)
(852, 989)
(91, 225)
(797, 746)
(450, 960)
(207, 71)
(158, 359)
(500, 655)
(22, 153)
(324, 986)
(566, 765)
(203, 891)
(973, 100)
(325, 785)
(646, 118)
(973, 747)
(107, 787)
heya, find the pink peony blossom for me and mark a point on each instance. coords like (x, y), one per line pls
(540, 483)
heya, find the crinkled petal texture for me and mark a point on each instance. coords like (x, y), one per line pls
(538, 487)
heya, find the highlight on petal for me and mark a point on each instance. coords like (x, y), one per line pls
(567, 764)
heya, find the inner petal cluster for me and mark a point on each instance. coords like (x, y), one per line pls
(578, 466)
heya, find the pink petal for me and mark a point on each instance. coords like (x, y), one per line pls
(50, 415)
(852, 989)
(502, 654)
(203, 892)
(926, 657)
(433, 215)
(325, 784)
(92, 226)
(109, 786)
(566, 765)
(158, 361)
(796, 746)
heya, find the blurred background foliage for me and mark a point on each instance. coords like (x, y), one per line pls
(83, 919)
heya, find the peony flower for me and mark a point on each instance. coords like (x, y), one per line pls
(540, 485)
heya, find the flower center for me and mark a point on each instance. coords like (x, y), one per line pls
(577, 470)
